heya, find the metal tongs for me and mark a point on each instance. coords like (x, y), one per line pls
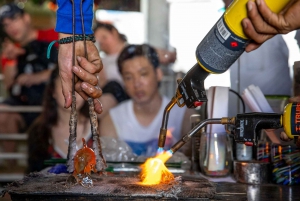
(100, 161)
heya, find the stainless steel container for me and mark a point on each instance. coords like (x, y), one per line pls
(252, 172)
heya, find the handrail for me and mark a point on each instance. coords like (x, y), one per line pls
(13, 136)
(7, 108)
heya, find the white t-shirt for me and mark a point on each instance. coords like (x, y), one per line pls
(111, 68)
(144, 139)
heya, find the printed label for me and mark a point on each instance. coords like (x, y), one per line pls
(222, 30)
(220, 48)
(295, 118)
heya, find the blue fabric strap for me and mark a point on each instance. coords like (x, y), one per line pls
(49, 48)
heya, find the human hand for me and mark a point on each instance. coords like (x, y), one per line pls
(165, 56)
(86, 70)
(262, 24)
(10, 50)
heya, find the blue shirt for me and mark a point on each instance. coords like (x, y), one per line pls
(64, 17)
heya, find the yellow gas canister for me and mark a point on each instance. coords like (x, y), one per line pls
(226, 41)
(291, 120)
(237, 11)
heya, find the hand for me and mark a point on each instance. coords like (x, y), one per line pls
(262, 24)
(25, 80)
(86, 85)
(10, 50)
(165, 56)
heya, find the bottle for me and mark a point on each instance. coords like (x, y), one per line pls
(226, 41)
(291, 120)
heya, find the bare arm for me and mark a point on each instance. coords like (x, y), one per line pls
(9, 75)
(33, 79)
(108, 101)
(107, 127)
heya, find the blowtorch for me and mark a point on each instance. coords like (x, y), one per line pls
(246, 127)
(219, 49)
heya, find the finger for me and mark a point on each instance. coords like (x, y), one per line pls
(98, 106)
(90, 90)
(250, 32)
(294, 99)
(97, 103)
(88, 66)
(79, 90)
(284, 137)
(252, 46)
(85, 76)
(260, 16)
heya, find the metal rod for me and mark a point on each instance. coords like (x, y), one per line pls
(188, 136)
(73, 116)
(164, 124)
(100, 161)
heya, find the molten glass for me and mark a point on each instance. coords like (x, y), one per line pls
(154, 170)
(84, 163)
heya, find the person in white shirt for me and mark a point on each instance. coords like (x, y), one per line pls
(137, 121)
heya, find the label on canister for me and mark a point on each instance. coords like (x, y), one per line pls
(220, 48)
(295, 119)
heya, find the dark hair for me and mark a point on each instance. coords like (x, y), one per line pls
(39, 133)
(10, 11)
(110, 28)
(132, 51)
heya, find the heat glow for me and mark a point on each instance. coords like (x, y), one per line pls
(154, 170)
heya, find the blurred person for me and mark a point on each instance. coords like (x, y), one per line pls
(49, 134)
(27, 77)
(137, 121)
(111, 43)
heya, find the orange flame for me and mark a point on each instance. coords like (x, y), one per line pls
(154, 170)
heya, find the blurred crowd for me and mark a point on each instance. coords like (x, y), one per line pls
(130, 79)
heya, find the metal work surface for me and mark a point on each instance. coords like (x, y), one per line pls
(126, 187)
(116, 187)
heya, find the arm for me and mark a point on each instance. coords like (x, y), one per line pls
(107, 127)
(262, 24)
(34, 79)
(64, 26)
(10, 71)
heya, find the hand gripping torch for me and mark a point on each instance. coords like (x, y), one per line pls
(218, 50)
(246, 127)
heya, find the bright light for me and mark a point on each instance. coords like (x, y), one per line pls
(154, 170)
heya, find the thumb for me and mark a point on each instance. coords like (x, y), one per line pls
(20, 51)
(66, 82)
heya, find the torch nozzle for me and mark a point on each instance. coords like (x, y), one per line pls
(164, 125)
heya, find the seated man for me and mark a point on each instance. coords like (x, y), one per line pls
(26, 77)
(137, 121)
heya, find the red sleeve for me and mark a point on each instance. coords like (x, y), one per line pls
(47, 35)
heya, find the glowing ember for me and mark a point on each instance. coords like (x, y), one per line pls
(154, 170)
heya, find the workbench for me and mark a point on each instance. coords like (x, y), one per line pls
(125, 187)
